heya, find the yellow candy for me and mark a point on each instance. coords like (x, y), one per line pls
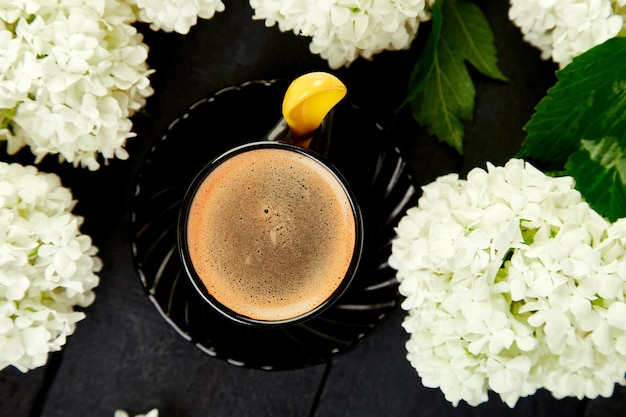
(308, 100)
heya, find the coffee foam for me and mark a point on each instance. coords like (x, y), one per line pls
(271, 234)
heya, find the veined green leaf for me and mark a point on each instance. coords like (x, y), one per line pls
(599, 168)
(445, 96)
(581, 126)
(424, 66)
(587, 102)
(469, 35)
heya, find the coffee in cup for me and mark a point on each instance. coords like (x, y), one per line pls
(270, 233)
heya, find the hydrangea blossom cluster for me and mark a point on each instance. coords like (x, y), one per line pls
(564, 29)
(72, 72)
(341, 30)
(46, 266)
(176, 15)
(512, 283)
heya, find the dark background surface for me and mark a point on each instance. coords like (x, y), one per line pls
(124, 355)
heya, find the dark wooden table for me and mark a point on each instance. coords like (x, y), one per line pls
(125, 355)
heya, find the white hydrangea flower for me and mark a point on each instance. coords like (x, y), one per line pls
(152, 413)
(176, 15)
(343, 30)
(512, 283)
(46, 266)
(564, 29)
(72, 73)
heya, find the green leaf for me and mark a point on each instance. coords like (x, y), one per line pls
(467, 31)
(426, 63)
(581, 126)
(599, 168)
(445, 96)
(587, 102)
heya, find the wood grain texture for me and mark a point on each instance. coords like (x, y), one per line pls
(124, 355)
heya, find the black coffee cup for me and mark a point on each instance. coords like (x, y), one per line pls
(270, 233)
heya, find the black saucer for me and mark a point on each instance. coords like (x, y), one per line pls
(360, 149)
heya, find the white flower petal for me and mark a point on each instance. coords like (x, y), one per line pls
(341, 32)
(40, 283)
(616, 315)
(60, 55)
(511, 279)
(564, 29)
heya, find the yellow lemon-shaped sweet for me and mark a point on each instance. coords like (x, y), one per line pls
(308, 100)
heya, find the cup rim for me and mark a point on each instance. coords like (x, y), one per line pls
(193, 276)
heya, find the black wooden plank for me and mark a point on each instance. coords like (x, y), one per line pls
(377, 380)
(19, 392)
(124, 355)
(613, 406)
